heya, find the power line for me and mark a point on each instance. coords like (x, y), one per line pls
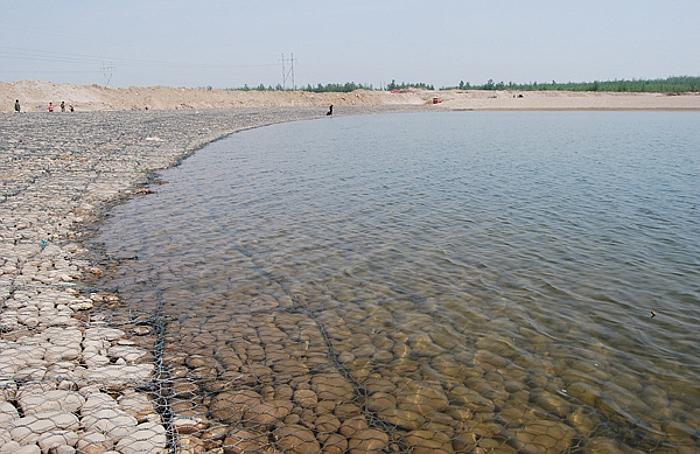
(65, 57)
(51, 70)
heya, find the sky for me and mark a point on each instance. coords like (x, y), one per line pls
(228, 43)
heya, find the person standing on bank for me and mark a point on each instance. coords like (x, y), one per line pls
(18, 108)
(330, 110)
(63, 106)
(50, 106)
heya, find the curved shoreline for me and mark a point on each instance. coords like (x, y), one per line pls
(69, 377)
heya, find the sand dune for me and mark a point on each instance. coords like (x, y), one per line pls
(35, 96)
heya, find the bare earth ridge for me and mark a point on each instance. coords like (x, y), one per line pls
(35, 96)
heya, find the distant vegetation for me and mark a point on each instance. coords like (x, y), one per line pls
(676, 84)
(342, 88)
(338, 87)
(403, 85)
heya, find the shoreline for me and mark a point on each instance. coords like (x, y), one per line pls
(70, 377)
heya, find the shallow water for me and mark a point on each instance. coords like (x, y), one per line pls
(442, 281)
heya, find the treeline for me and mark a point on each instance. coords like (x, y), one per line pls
(676, 84)
(403, 86)
(319, 88)
(337, 87)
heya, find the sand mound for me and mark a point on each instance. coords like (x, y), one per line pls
(35, 96)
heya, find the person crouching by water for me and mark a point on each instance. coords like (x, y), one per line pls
(70, 107)
(50, 106)
(18, 108)
(330, 110)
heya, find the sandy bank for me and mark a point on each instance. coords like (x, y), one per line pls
(35, 95)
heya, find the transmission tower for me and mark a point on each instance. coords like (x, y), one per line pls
(107, 72)
(288, 73)
(284, 73)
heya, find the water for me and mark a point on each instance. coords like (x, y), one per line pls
(446, 281)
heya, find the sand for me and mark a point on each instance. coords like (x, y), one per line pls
(35, 96)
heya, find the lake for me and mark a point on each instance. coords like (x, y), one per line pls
(435, 282)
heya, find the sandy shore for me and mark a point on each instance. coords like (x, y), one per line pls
(35, 96)
(70, 377)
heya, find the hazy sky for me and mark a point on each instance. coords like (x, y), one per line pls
(228, 43)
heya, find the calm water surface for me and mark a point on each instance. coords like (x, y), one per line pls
(445, 282)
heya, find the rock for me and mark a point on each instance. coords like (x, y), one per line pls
(552, 403)
(27, 430)
(543, 435)
(335, 444)
(112, 422)
(381, 401)
(584, 392)
(215, 433)
(97, 401)
(423, 399)
(423, 345)
(94, 443)
(130, 355)
(56, 401)
(295, 439)
(603, 446)
(63, 450)
(463, 396)
(243, 441)
(327, 424)
(29, 449)
(352, 425)
(332, 387)
(305, 398)
(185, 426)
(147, 438)
(137, 405)
(429, 442)
(230, 406)
(8, 413)
(141, 330)
(347, 410)
(118, 376)
(583, 420)
(55, 439)
(188, 444)
(11, 447)
(267, 413)
(368, 440)
(464, 442)
(404, 419)
(5, 436)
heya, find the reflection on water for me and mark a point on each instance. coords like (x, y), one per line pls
(430, 282)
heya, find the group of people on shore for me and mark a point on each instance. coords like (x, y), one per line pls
(18, 106)
(62, 106)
